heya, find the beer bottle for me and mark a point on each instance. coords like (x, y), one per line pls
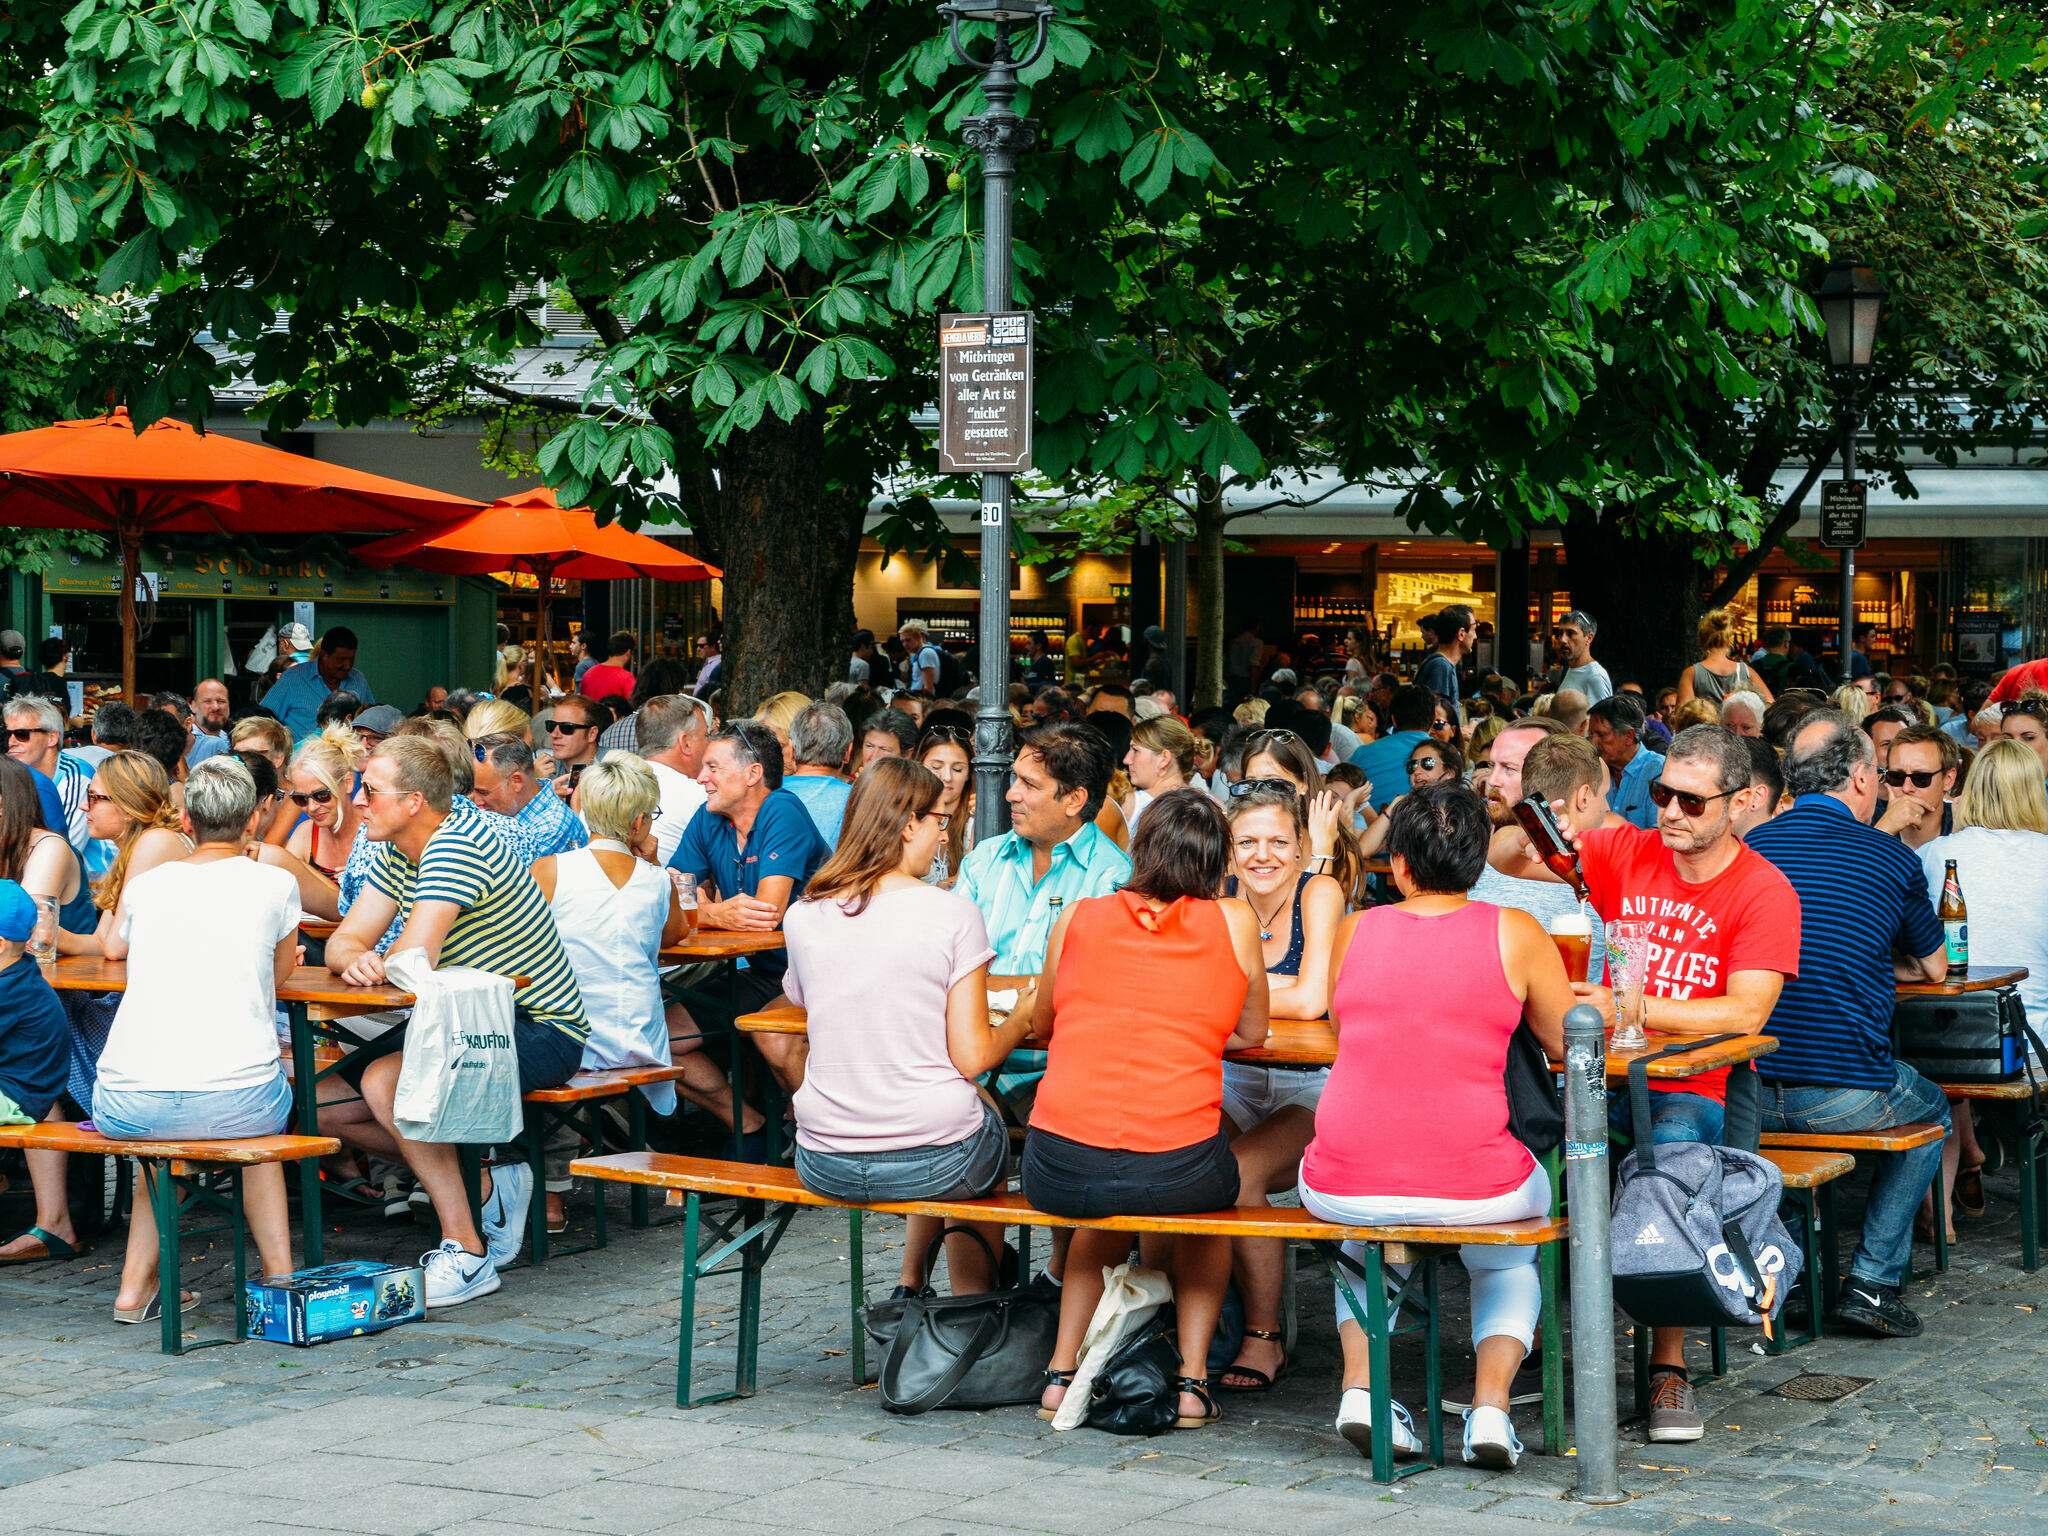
(1550, 843)
(1954, 913)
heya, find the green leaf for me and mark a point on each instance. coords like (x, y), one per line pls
(251, 18)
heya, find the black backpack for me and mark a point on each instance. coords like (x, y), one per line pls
(951, 674)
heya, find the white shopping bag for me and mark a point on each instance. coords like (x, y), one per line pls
(1131, 1294)
(459, 1081)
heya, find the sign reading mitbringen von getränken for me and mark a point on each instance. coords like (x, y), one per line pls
(984, 393)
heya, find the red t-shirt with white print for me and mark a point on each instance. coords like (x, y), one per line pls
(1744, 919)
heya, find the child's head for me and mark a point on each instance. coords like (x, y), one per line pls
(17, 921)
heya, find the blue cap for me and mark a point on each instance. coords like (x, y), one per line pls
(17, 912)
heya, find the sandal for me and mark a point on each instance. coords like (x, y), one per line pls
(54, 1247)
(1261, 1382)
(153, 1309)
(1198, 1386)
(1055, 1379)
(1969, 1189)
(357, 1190)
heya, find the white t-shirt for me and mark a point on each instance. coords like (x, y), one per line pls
(681, 798)
(200, 1012)
(2004, 876)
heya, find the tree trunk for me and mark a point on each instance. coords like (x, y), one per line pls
(1209, 642)
(1644, 593)
(786, 544)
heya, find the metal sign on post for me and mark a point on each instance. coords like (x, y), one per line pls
(1843, 505)
(985, 394)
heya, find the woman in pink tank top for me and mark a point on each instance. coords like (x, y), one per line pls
(1412, 1127)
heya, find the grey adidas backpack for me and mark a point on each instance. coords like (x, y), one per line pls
(1696, 1237)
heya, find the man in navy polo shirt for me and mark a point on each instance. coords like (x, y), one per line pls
(1865, 923)
(752, 847)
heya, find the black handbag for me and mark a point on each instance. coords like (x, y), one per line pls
(987, 1351)
(1137, 1391)
(1970, 1037)
(1535, 1110)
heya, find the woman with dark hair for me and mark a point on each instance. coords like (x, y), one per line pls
(1142, 993)
(1410, 1062)
(888, 1109)
(1112, 819)
(947, 749)
(1281, 756)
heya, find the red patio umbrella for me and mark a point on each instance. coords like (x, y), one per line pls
(534, 532)
(102, 474)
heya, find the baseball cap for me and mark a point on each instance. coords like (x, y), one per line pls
(17, 912)
(381, 718)
(295, 638)
(12, 642)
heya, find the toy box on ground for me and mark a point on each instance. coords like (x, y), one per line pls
(334, 1301)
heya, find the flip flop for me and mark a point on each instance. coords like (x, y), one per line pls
(153, 1309)
(1969, 1190)
(54, 1247)
(358, 1190)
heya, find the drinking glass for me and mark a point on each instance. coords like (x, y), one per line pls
(1628, 961)
(42, 939)
(686, 896)
(1575, 947)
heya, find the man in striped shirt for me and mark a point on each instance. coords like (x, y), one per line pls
(1865, 924)
(466, 899)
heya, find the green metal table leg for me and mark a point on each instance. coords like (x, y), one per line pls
(1379, 1355)
(686, 1333)
(857, 1294)
(1639, 1363)
(1718, 1339)
(595, 1114)
(163, 1198)
(241, 1256)
(1830, 1251)
(1550, 1272)
(747, 1339)
(2031, 1191)
(536, 1117)
(305, 1084)
(1433, 1368)
(636, 1140)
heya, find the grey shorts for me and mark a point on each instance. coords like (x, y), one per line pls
(960, 1170)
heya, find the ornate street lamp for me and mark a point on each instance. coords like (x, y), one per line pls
(1000, 136)
(1851, 298)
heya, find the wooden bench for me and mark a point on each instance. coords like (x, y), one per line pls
(2032, 1143)
(753, 1231)
(1897, 1138)
(1809, 1188)
(175, 1174)
(575, 1106)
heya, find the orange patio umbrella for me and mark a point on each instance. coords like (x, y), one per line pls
(102, 474)
(532, 531)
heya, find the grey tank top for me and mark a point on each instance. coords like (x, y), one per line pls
(1711, 685)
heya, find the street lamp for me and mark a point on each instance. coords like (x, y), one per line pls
(1851, 297)
(1001, 136)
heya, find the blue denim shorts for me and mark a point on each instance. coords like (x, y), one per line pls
(221, 1114)
(961, 1170)
(1673, 1117)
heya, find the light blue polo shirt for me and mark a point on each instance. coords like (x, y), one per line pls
(296, 697)
(1630, 797)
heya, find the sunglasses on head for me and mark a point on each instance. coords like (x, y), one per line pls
(1896, 777)
(1662, 794)
(1245, 787)
(568, 727)
(1275, 734)
(302, 799)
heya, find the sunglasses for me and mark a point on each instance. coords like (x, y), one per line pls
(568, 727)
(955, 733)
(302, 799)
(1662, 794)
(1276, 734)
(1424, 764)
(1245, 787)
(24, 732)
(93, 797)
(1896, 777)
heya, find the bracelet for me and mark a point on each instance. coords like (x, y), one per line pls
(1321, 858)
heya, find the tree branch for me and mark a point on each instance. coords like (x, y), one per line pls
(1748, 565)
(547, 402)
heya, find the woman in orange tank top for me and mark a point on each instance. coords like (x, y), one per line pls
(1143, 992)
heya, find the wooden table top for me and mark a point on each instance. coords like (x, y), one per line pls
(722, 943)
(1981, 979)
(318, 927)
(306, 984)
(1313, 1043)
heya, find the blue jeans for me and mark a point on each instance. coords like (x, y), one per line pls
(961, 1170)
(222, 1114)
(1901, 1179)
(1673, 1117)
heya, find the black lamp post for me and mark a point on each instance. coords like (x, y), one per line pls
(1001, 136)
(1851, 297)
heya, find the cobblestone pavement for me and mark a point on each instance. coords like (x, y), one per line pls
(549, 1407)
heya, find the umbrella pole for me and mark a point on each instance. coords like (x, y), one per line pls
(129, 531)
(543, 674)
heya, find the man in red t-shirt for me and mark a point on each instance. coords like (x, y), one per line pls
(2028, 674)
(610, 675)
(1721, 926)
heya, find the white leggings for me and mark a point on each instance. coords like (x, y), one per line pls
(1507, 1296)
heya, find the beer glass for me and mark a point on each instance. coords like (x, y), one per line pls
(1572, 933)
(42, 939)
(686, 897)
(1628, 963)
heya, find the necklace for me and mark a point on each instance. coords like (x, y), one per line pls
(1266, 923)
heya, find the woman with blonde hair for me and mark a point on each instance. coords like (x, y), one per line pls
(1695, 712)
(1717, 673)
(322, 786)
(778, 712)
(272, 738)
(2000, 850)
(509, 670)
(1160, 760)
(1251, 712)
(1853, 702)
(498, 717)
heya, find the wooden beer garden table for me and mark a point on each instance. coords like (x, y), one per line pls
(1983, 979)
(728, 944)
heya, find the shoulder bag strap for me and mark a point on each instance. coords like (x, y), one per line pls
(1639, 1095)
(977, 1345)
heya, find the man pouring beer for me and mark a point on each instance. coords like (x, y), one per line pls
(1720, 927)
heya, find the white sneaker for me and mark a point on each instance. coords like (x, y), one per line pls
(455, 1275)
(1490, 1440)
(1354, 1423)
(506, 1211)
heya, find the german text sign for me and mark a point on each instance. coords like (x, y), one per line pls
(984, 394)
(1842, 506)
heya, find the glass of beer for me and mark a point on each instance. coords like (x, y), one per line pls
(1572, 933)
(686, 896)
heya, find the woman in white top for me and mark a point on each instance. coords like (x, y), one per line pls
(888, 1109)
(193, 1052)
(944, 749)
(1160, 760)
(615, 908)
(2000, 848)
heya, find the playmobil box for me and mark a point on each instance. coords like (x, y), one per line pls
(334, 1301)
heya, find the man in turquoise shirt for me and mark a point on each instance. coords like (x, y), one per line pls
(296, 697)
(1614, 728)
(1385, 762)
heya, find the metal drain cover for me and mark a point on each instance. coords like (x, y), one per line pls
(1813, 1388)
(410, 1364)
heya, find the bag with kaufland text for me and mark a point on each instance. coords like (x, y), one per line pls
(459, 1081)
(1697, 1242)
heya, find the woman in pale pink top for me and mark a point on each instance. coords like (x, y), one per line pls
(894, 974)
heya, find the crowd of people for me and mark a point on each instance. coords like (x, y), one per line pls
(1170, 882)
